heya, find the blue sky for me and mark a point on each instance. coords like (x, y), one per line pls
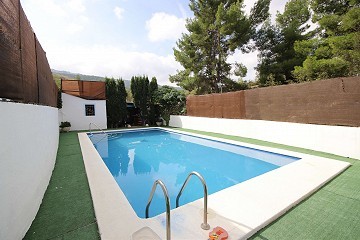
(117, 38)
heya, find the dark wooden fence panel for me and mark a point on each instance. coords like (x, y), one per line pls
(28, 60)
(332, 102)
(233, 104)
(45, 79)
(25, 74)
(217, 110)
(203, 106)
(10, 58)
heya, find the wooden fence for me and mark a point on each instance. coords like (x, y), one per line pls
(331, 102)
(25, 74)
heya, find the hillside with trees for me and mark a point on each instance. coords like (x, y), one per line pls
(57, 75)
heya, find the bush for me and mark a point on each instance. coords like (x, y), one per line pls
(65, 124)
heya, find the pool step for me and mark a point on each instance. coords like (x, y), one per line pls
(145, 233)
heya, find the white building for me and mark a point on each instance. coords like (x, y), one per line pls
(83, 102)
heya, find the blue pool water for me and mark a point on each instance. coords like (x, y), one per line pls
(137, 158)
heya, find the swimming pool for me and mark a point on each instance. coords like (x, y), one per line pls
(137, 158)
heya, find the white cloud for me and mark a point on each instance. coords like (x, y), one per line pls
(48, 7)
(182, 10)
(76, 5)
(76, 26)
(73, 28)
(249, 60)
(65, 16)
(275, 5)
(103, 60)
(119, 12)
(163, 26)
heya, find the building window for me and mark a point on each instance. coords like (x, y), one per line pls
(90, 110)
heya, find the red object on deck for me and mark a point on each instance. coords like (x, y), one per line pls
(218, 233)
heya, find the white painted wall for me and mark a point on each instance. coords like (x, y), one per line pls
(29, 136)
(344, 141)
(73, 111)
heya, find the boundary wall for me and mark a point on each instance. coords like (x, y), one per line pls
(339, 140)
(331, 102)
(29, 141)
(25, 73)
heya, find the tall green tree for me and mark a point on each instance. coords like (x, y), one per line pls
(140, 92)
(112, 103)
(122, 95)
(277, 56)
(115, 102)
(171, 101)
(134, 82)
(335, 50)
(153, 107)
(217, 29)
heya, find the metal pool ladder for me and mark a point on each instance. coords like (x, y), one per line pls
(167, 202)
(97, 128)
(204, 225)
(109, 135)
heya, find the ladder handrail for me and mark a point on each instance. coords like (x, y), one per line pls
(95, 126)
(205, 224)
(167, 202)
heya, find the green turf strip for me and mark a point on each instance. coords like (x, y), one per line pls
(67, 210)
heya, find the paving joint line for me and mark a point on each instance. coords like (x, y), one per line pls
(341, 195)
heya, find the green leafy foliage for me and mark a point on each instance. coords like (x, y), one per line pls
(216, 31)
(153, 108)
(65, 124)
(115, 102)
(335, 51)
(59, 99)
(170, 101)
(314, 68)
(276, 43)
(122, 94)
(140, 92)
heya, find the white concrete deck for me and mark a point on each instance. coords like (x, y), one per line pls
(242, 209)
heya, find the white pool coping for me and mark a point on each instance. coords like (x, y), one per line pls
(242, 209)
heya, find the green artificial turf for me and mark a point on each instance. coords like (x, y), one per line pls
(67, 210)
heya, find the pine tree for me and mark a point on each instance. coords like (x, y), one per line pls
(335, 50)
(216, 31)
(276, 43)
